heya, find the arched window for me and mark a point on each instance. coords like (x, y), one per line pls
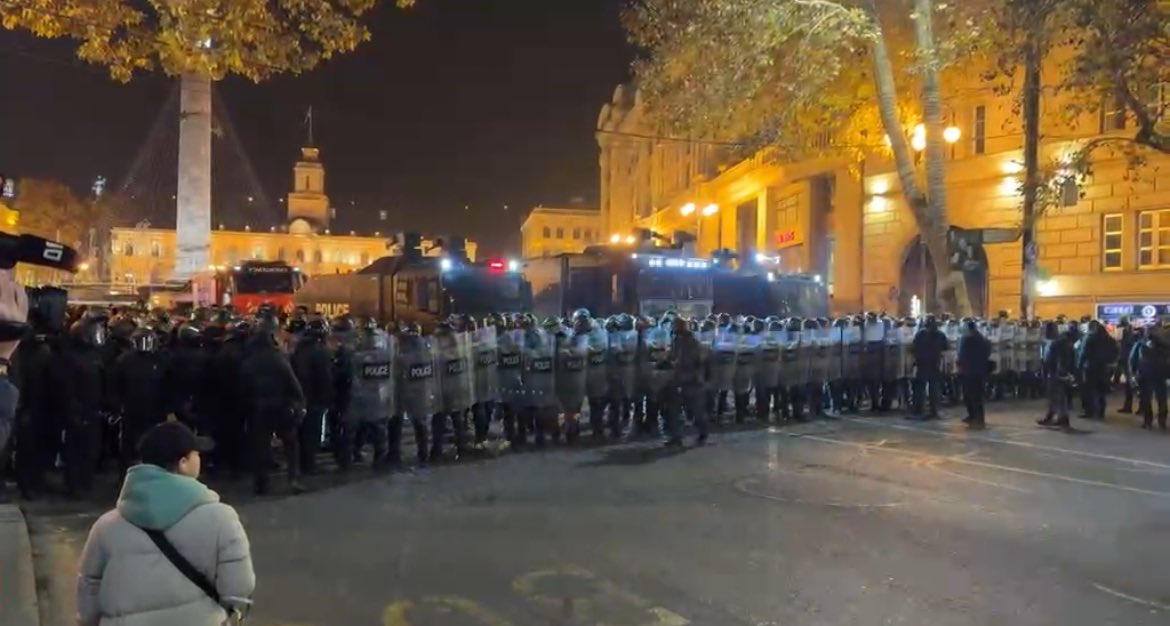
(282, 254)
(300, 256)
(155, 249)
(129, 249)
(317, 256)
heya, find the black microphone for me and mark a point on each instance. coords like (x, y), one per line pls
(36, 251)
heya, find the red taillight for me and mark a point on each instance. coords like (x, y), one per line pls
(497, 265)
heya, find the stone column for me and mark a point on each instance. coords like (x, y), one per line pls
(193, 218)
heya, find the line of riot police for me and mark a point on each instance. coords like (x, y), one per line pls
(347, 384)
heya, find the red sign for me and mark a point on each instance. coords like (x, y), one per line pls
(785, 237)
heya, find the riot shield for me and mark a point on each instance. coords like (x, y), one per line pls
(415, 375)
(453, 363)
(597, 360)
(747, 353)
(851, 365)
(372, 394)
(950, 357)
(768, 368)
(659, 362)
(835, 362)
(623, 353)
(993, 336)
(791, 369)
(905, 353)
(510, 370)
(723, 360)
(539, 357)
(816, 352)
(485, 345)
(572, 351)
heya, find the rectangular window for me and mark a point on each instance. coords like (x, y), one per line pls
(1154, 239)
(1112, 226)
(589, 235)
(155, 249)
(560, 233)
(979, 130)
(1112, 115)
(576, 233)
(547, 232)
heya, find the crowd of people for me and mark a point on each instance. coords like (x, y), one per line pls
(311, 383)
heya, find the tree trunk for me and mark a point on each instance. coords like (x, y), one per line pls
(1031, 110)
(952, 285)
(932, 225)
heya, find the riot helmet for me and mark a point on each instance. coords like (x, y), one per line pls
(144, 339)
(88, 332)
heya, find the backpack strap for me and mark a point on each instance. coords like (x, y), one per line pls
(181, 563)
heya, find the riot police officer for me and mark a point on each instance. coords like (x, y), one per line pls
(274, 403)
(38, 434)
(138, 386)
(187, 382)
(313, 365)
(415, 375)
(372, 396)
(78, 383)
(453, 363)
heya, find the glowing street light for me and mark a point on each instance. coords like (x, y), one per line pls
(630, 239)
(710, 209)
(951, 134)
(615, 238)
(687, 208)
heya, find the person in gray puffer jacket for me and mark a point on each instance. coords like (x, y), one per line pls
(125, 579)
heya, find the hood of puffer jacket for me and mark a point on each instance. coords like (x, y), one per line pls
(156, 499)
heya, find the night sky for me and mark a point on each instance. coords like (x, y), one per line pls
(454, 103)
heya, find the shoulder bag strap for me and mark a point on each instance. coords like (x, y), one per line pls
(182, 564)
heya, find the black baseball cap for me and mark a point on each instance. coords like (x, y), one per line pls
(164, 444)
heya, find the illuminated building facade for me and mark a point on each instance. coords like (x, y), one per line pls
(147, 255)
(548, 231)
(1107, 242)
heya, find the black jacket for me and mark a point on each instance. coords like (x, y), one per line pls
(138, 385)
(1059, 357)
(78, 384)
(313, 366)
(974, 355)
(267, 381)
(928, 347)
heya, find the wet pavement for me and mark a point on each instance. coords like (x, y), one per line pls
(860, 520)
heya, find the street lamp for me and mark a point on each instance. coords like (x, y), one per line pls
(615, 238)
(710, 209)
(687, 209)
(951, 135)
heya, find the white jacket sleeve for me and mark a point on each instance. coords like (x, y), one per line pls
(89, 577)
(234, 577)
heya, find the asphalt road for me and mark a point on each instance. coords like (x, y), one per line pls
(851, 521)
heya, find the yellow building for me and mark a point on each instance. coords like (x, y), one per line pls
(550, 230)
(1110, 245)
(147, 255)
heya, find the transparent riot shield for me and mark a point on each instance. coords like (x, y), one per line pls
(851, 368)
(485, 344)
(723, 360)
(453, 364)
(905, 353)
(510, 369)
(572, 351)
(372, 396)
(746, 356)
(659, 362)
(1007, 340)
(891, 363)
(415, 374)
(623, 354)
(768, 368)
(539, 357)
(597, 361)
(816, 352)
(834, 339)
(791, 369)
